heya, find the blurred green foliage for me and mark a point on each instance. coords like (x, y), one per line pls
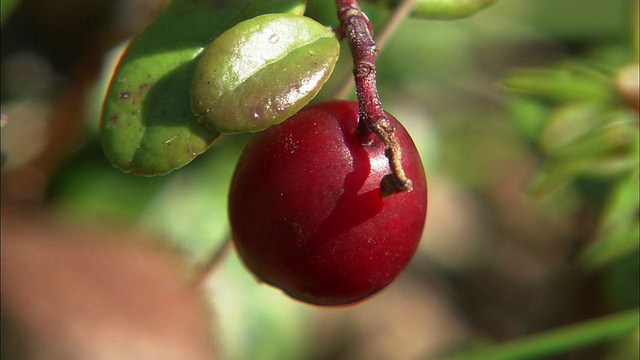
(6, 7)
(559, 340)
(441, 9)
(520, 79)
(584, 131)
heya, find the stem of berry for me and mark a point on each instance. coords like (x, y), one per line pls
(382, 36)
(372, 119)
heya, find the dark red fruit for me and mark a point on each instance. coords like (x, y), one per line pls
(306, 211)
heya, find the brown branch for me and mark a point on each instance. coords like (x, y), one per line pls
(358, 31)
(390, 26)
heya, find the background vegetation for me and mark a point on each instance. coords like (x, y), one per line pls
(526, 116)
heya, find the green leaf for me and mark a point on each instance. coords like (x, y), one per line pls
(559, 172)
(147, 124)
(528, 115)
(560, 340)
(569, 83)
(581, 141)
(621, 286)
(262, 71)
(584, 130)
(619, 230)
(449, 9)
(85, 188)
(442, 9)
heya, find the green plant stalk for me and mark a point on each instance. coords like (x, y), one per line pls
(560, 340)
(635, 28)
(450, 9)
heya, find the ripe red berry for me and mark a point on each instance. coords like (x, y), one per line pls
(307, 214)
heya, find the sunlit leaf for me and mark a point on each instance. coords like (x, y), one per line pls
(147, 124)
(262, 71)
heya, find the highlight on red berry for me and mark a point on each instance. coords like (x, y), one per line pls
(306, 210)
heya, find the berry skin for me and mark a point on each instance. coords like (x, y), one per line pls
(306, 211)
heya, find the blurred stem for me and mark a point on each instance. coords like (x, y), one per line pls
(635, 28)
(400, 13)
(561, 340)
(372, 120)
(214, 261)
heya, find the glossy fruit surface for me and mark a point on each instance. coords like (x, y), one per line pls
(306, 211)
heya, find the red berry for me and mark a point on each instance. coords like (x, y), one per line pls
(306, 211)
